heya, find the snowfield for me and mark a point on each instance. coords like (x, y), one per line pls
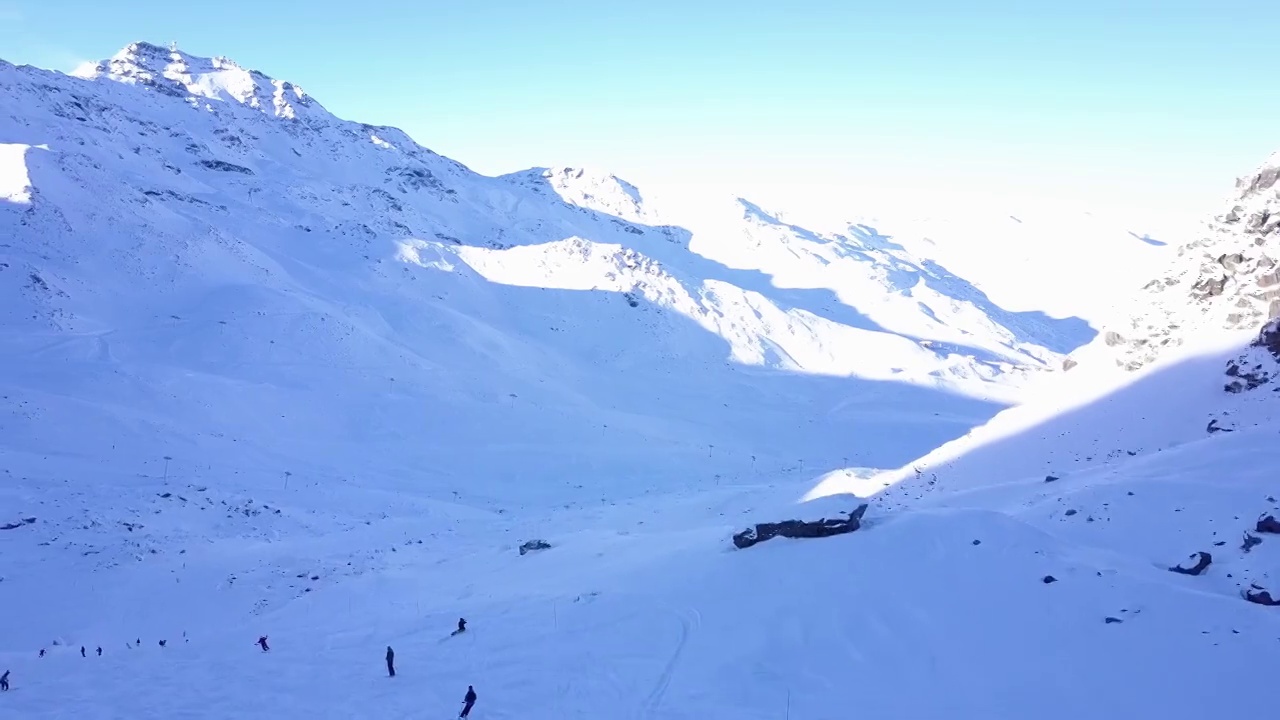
(270, 372)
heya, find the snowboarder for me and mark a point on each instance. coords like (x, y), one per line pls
(468, 701)
(462, 626)
(391, 662)
(82, 651)
(263, 642)
(99, 651)
(4, 680)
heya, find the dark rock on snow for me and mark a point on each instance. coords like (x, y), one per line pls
(1048, 579)
(822, 527)
(16, 525)
(1203, 562)
(1250, 541)
(1258, 596)
(1268, 524)
(534, 545)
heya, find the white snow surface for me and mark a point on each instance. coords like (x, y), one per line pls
(269, 372)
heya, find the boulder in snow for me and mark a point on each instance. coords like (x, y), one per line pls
(843, 522)
(1268, 524)
(534, 545)
(1258, 596)
(1203, 560)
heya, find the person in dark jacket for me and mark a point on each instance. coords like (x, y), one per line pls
(99, 651)
(262, 641)
(468, 701)
(4, 680)
(82, 651)
(391, 661)
(462, 626)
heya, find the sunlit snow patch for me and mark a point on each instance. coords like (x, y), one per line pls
(15, 182)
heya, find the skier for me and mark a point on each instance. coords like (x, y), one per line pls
(391, 661)
(99, 651)
(468, 701)
(263, 642)
(82, 651)
(41, 652)
(462, 626)
(4, 680)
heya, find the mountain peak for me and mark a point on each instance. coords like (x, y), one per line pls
(173, 72)
(588, 188)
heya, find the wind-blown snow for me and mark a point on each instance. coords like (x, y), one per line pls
(266, 371)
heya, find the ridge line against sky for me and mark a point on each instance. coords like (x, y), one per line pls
(1144, 108)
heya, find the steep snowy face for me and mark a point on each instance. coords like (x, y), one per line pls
(176, 73)
(1222, 287)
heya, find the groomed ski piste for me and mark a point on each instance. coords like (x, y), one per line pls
(215, 429)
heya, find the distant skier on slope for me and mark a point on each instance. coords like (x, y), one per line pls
(468, 701)
(391, 661)
(99, 651)
(41, 652)
(462, 626)
(82, 651)
(4, 681)
(262, 641)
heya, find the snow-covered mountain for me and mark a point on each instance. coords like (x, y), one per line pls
(209, 250)
(270, 371)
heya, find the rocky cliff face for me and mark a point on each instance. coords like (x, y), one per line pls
(1225, 282)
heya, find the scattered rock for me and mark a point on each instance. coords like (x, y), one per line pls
(822, 527)
(1050, 478)
(1250, 541)
(1071, 512)
(977, 542)
(1108, 620)
(1048, 579)
(534, 545)
(1203, 560)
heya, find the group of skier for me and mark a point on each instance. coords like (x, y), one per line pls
(468, 700)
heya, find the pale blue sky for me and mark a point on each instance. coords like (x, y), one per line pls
(1151, 103)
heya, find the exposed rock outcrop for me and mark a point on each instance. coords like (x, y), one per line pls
(822, 527)
(1226, 280)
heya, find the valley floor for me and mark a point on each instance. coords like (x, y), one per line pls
(644, 610)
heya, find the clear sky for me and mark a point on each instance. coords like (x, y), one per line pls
(1157, 105)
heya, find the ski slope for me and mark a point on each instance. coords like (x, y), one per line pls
(266, 371)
